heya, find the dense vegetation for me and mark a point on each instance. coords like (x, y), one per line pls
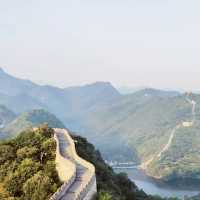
(27, 166)
(180, 165)
(28, 172)
(111, 186)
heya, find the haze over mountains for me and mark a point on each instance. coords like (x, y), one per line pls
(6, 116)
(135, 127)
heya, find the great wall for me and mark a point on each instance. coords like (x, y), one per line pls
(77, 174)
(185, 124)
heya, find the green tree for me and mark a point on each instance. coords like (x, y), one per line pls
(7, 152)
(39, 187)
(104, 196)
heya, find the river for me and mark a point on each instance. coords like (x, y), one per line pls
(151, 187)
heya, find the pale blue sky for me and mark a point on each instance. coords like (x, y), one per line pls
(126, 42)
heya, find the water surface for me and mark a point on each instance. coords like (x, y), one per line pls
(151, 187)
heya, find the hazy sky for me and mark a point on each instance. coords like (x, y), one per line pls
(127, 42)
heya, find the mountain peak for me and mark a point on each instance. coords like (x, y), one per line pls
(101, 83)
(11, 85)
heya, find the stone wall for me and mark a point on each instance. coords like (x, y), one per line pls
(67, 161)
(66, 171)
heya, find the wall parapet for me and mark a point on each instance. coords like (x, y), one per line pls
(66, 171)
(67, 162)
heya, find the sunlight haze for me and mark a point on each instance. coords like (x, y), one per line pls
(154, 43)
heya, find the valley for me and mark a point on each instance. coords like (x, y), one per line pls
(45, 163)
(156, 129)
(152, 187)
(186, 124)
(99, 100)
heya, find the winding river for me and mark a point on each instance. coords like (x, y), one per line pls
(148, 185)
(151, 187)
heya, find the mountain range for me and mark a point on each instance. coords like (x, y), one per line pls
(154, 128)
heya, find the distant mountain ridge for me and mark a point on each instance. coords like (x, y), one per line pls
(21, 95)
(27, 120)
(130, 90)
(12, 86)
(158, 92)
(133, 127)
(69, 104)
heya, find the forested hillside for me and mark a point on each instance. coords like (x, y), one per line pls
(27, 166)
(27, 169)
